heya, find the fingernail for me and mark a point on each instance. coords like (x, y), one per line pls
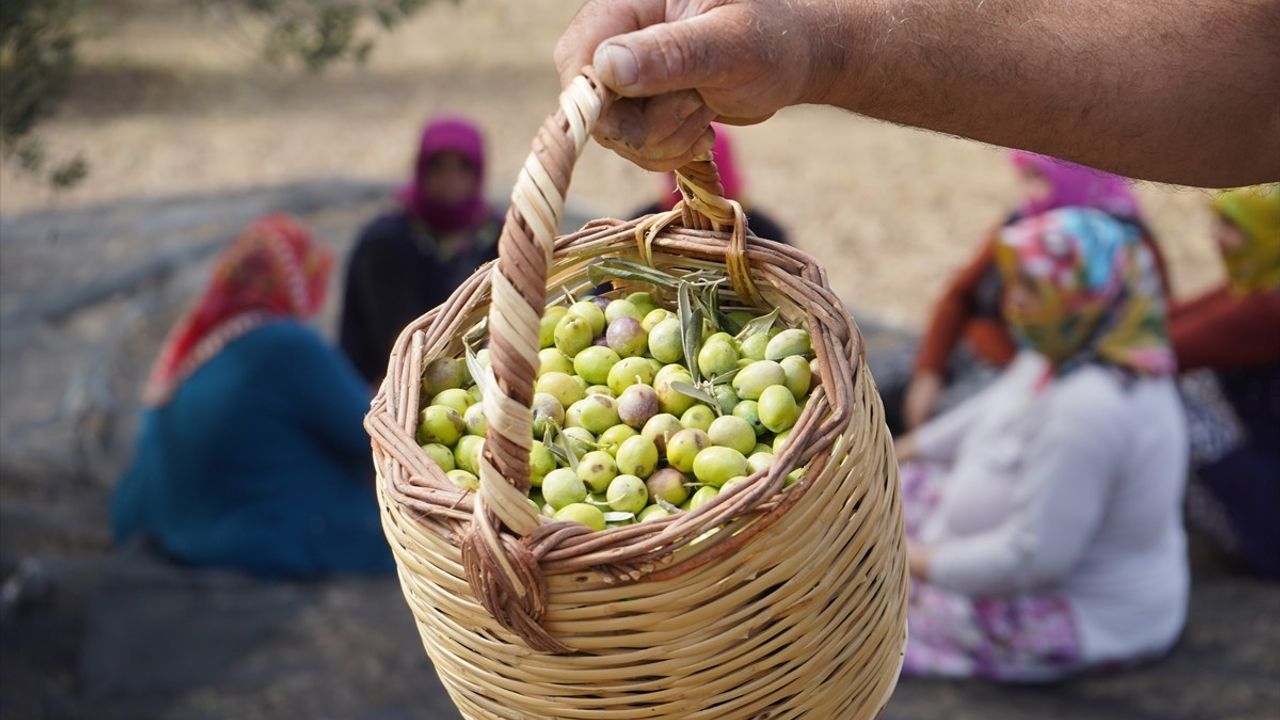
(618, 63)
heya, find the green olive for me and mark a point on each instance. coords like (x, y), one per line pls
(622, 308)
(637, 456)
(665, 341)
(716, 358)
(456, 398)
(440, 455)
(610, 440)
(788, 342)
(627, 493)
(590, 312)
(562, 487)
(627, 372)
(466, 454)
(547, 326)
(441, 374)
(572, 335)
(699, 416)
(798, 374)
(582, 513)
(778, 408)
(597, 469)
(440, 424)
(594, 363)
(561, 386)
(552, 360)
(715, 465)
(754, 378)
(732, 432)
(684, 446)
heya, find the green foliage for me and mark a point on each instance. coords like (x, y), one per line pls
(320, 32)
(37, 57)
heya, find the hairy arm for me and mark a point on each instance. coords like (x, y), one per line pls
(1184, 91)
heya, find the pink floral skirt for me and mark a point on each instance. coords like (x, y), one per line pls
(1017, 638)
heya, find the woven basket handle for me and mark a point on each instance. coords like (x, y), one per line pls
(519, 288)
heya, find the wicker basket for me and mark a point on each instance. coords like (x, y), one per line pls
(766, 602)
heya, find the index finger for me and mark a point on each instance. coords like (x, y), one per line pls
(597, 21)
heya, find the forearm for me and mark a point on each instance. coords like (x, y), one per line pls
(1182, 92)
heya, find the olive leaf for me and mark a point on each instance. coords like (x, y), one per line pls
(690, 328)
(764, 323)
(709, 297)
(479, 373)
(560, 445)
(618, 516)
(667, 506)
(724, 377)
(549, 441)
(731, 326)
(608, 269)
(695, 393)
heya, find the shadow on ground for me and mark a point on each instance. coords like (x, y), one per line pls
(88, 632)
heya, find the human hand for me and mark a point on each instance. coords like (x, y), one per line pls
(922, 397)
(679, 65)
(918, 557)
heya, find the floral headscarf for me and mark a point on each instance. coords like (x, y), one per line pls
(1099, 291)
(273, 270)
(1256, 211)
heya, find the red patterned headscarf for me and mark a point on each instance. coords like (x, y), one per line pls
(273, 270)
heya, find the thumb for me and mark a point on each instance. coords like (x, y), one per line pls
(669, 56)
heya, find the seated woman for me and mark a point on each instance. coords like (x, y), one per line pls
(251, 454)
(969, 309)
(731, 178)
(412, 258)
(1234, 331)
(1044, 515)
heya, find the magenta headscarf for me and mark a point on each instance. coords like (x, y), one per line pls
(722, 153)
(447, 133)
(1077, 186)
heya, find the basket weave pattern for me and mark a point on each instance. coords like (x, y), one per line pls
(766, 602)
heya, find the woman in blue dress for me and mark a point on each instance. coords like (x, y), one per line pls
(251, 454)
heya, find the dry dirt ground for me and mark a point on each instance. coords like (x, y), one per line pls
(190, 136)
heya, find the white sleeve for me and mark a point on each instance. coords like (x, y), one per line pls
(1058, 504)
(939, 438)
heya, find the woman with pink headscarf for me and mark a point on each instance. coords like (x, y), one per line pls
(969, 309)
(410, 259)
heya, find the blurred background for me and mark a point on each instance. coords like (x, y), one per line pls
(168, 125)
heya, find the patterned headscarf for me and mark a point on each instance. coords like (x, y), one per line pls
(1072, 185)
(273, 270)
(1256, 211)
(1098, 288)
(447, 134)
